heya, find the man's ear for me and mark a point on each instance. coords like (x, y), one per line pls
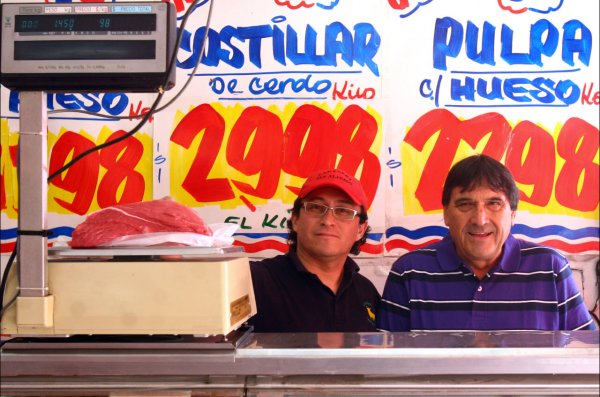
(362, 227)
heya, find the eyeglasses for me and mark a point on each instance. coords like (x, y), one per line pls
(493, 205)
(319, 210)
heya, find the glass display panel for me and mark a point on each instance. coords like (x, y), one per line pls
(84, 49)
(85, 23)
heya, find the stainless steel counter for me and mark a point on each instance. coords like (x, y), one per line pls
(511, 363)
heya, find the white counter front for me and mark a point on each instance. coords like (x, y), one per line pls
(250, 364)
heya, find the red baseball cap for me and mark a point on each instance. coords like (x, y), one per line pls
(338, 179)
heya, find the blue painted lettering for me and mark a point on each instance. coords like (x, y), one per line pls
(112, 103)
(544, 39)
(521, 90)
(234, 46)
(275, 86)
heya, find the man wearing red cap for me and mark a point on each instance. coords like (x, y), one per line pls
(316, 286)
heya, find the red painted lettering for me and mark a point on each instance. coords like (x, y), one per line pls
(451, 132)
(120, 161)
(310, 139)
(357, 130)
(138, 112)
(588, 97)
(260, 159)
(12, 150)
(349, 92)
(530, 156)
(81, 177)
(399, 4)
(539, 167)
(577, 182)
(203, 118)
(258, 145)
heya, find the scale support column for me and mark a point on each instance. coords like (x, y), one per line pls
(33, 194)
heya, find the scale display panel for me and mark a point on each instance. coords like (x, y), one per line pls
(88, 46)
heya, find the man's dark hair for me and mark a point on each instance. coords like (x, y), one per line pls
(293, 236)
(477, 170)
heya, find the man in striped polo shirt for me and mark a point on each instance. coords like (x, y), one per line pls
(479, 276)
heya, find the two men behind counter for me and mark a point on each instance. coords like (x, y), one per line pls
(479, 277)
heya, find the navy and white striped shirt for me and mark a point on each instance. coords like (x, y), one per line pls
(531, 288)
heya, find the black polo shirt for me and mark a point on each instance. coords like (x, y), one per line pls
(291, 299)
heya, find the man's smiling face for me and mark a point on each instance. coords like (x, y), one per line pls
(479, 221)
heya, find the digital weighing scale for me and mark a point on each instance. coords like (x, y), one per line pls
(123, 46)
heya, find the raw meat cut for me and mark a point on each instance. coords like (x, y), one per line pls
(165, 215)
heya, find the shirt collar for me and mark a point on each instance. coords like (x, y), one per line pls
(446, 254)
(296, 261)
(511, 255)
(350, 266)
